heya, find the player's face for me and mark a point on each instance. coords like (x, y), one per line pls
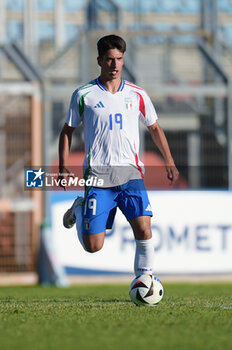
(111, 64)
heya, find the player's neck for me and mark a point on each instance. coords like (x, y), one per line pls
(111, 85)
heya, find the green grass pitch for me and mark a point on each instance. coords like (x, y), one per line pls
(92, 317)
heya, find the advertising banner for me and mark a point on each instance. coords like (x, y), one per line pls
(192, 233)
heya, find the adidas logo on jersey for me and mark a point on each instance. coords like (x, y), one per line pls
(148, 208)
(99, 105)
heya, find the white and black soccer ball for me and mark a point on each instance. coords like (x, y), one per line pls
(146, 290)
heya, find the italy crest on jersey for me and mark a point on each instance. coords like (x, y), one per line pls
(128, 102)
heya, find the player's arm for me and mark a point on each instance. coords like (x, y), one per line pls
(160, 140)
(64, 148)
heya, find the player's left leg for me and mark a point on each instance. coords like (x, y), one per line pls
(144, 252)
(135, 205)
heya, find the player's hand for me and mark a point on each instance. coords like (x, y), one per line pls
(64, 173)
(172, 174)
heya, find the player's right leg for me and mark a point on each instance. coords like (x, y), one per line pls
(93, 215)
(74, 215)
(90, 242)
(98, 214)
(94, 242)
(69, 217)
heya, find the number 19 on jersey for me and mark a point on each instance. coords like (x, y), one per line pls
(115, 120)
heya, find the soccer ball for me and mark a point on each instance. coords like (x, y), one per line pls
(146, 290)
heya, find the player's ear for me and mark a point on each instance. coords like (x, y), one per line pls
(99, 61)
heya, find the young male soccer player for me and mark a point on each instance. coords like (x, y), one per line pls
(110, 109)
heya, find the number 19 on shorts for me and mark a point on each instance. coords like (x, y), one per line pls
(91, 204)
(115, 120)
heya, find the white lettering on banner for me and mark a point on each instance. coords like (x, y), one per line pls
(195, 238)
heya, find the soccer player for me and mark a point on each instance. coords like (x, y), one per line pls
(110, 109)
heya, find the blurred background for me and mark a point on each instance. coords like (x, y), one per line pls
(179, 51)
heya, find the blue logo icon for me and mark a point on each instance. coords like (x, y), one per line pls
(99, 105)
(34, 178)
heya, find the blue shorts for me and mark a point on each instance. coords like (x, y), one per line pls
(101, 204)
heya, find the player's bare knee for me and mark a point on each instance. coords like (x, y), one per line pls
(145, 234)
(92, 246)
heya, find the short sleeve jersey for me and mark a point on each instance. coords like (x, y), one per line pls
(111, 127)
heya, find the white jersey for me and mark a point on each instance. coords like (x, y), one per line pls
(111, 129)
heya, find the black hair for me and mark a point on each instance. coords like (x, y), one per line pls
(109, 42)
